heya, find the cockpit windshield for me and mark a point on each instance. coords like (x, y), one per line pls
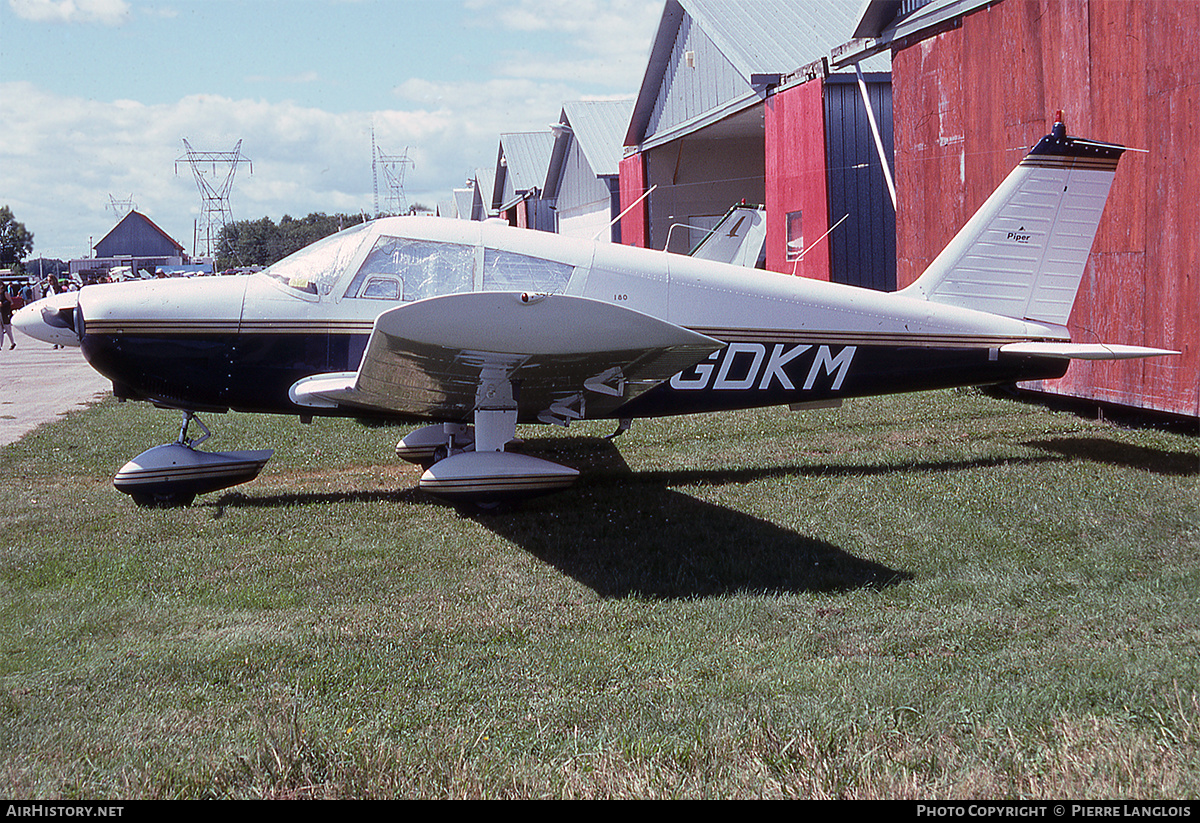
(314, 269)
(403, 269)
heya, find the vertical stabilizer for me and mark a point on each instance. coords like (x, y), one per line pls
(738, 238)
(1023, 253)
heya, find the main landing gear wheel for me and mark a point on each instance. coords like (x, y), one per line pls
(482, 473)
(430, 444)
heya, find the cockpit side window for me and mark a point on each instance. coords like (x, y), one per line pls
(509, 271)
(382, 287)
(404, 269)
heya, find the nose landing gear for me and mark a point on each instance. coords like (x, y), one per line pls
(174, 473)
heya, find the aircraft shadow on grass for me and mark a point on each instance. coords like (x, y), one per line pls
(1125, 455)
(625, 533)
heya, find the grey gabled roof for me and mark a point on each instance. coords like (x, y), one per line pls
(464, 202)
(485, 187)
(770, 36)
(525, 156)
(137, 235)
(599, 128)
(755, 36)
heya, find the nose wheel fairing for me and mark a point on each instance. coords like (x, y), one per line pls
(174, 473)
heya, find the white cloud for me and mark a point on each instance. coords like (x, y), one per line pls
(593, 18)
(62, 157)
(592, 38)
(107, 12)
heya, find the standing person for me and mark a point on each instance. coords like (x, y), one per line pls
(6, 312)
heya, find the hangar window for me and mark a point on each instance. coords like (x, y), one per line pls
(509, 271)
(413, 270)
(795, 235)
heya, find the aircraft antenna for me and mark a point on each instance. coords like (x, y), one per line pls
(374, 173)
(207, 169)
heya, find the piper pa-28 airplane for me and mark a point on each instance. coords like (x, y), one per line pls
(476, 327)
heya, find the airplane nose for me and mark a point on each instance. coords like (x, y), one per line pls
(51, 320)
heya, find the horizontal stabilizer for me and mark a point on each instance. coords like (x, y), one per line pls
(1084, 351)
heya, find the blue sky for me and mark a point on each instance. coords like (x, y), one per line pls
(97, 96)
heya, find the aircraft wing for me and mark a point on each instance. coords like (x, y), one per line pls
(567, 357)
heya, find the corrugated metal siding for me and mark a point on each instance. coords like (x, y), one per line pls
(688, 91)
(579, 185)
(863, 247)
(540, 215)
(614, 208)
(1126, 72)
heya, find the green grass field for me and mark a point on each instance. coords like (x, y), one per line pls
(938, 596)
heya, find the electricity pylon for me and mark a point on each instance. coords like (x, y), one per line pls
(214, 191)
(394, 167)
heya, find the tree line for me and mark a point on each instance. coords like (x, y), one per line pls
(262, 242)
(16, 242)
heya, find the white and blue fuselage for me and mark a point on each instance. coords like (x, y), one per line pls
(482, 325)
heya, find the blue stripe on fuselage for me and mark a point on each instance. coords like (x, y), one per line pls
(253, 372)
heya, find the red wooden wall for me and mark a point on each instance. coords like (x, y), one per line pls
(633, 185)
(794, 122)
(970, 101)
